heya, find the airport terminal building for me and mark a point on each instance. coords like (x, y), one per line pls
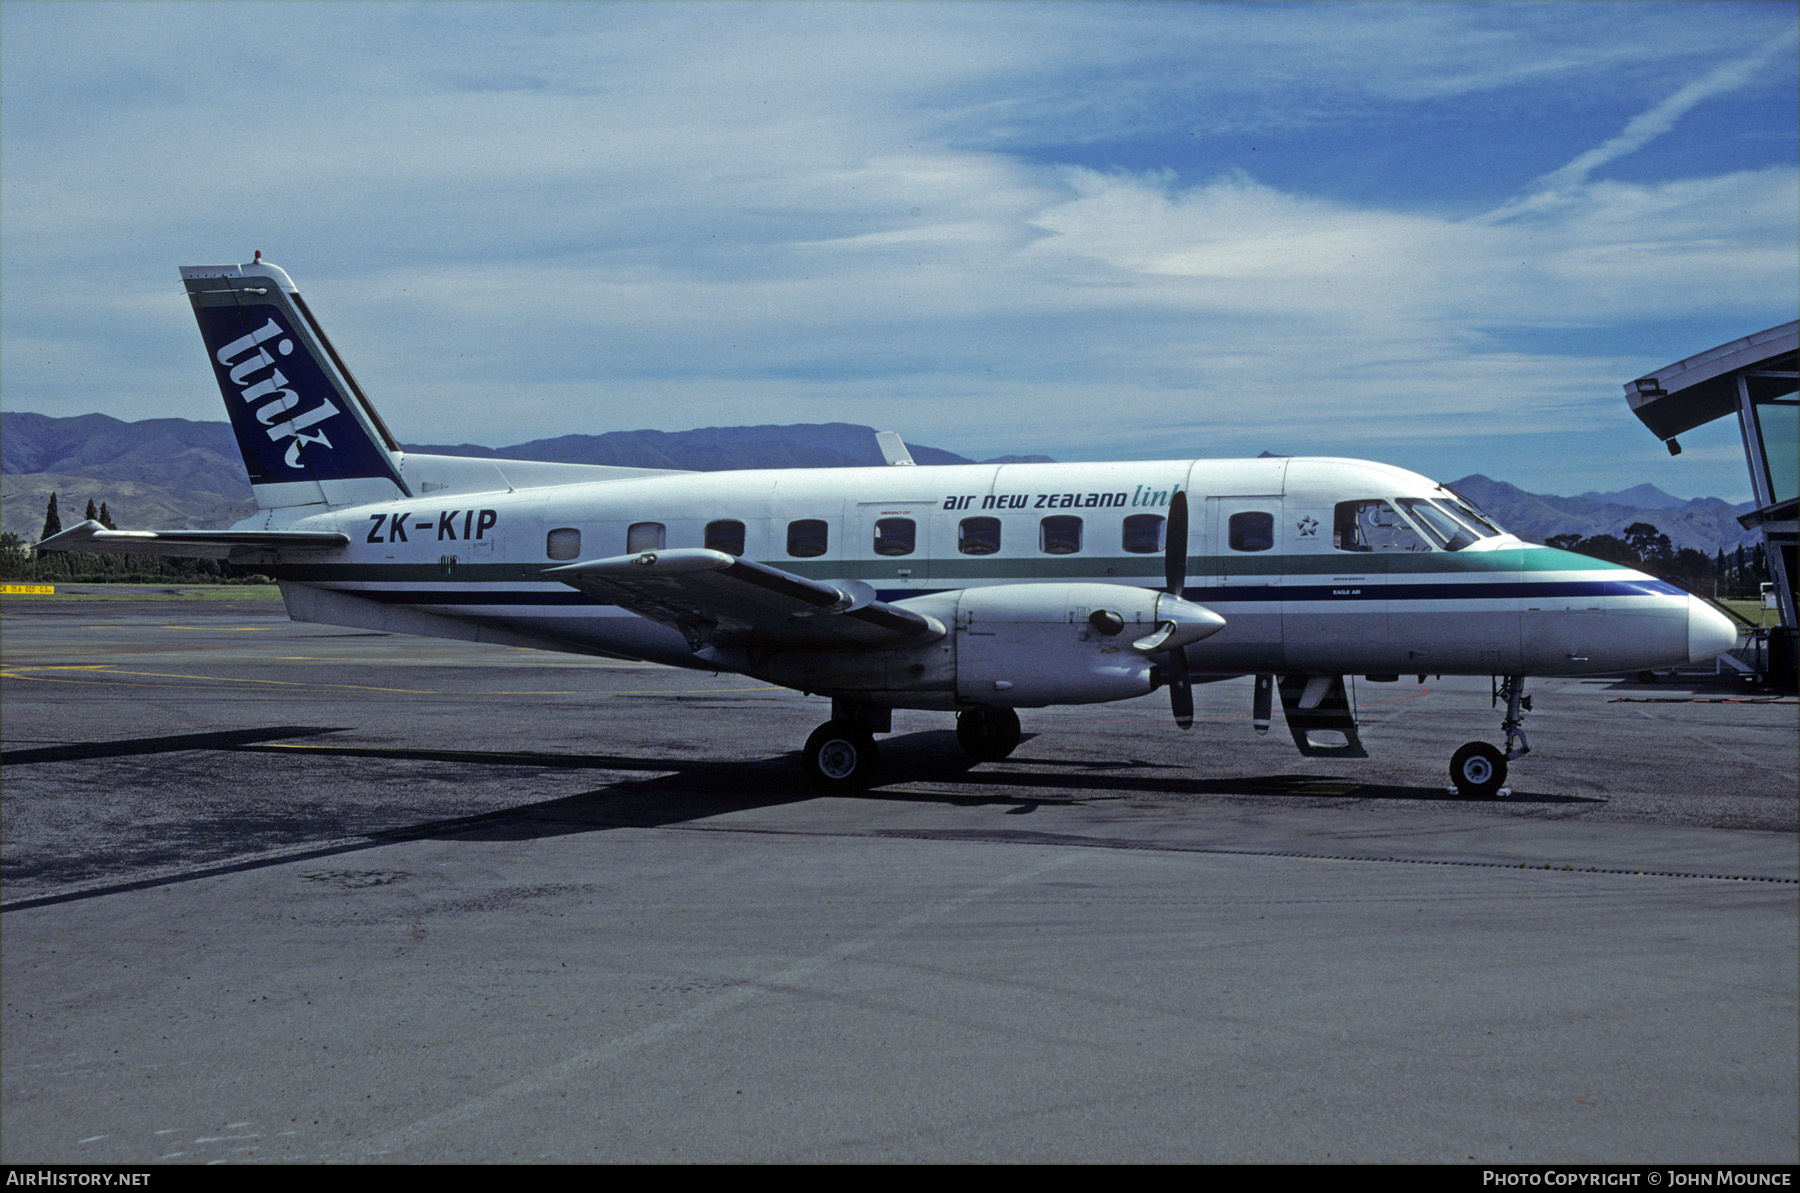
(1753, 378)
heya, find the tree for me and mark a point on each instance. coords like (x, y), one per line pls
(52, 520)
(15, 558)
(106, 518)
(92, 514)
(1611, 549)
(1652, 545)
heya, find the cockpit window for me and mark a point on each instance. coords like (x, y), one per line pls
(1465, 509)
(1447, 532)
(1373, 526)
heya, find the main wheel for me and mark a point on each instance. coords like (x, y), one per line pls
(987, 734)
(1477, 770)
(840, 756)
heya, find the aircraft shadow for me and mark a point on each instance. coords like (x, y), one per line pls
(124, 747)
(686, 791)
(678, 791)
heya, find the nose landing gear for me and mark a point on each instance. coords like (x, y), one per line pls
(1478, 770)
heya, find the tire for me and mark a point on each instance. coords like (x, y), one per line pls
(1478, 770)
(840, 756)
(988, 734)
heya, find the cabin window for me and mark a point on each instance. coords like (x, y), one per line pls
(563, 543)
(1059, 534)
(646, 536)
(1143, 534)
(808, 538)
(895, 536)
(1251, 530)
(726, 536)
(1373, 526)
(978, 536)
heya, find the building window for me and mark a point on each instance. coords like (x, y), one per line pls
(1143, 534)
(726, 536)
(645, 536)
(563, 543)
(978, 536)
(808, 538)
(1059, 534)
(895, 536)
(1251, 531)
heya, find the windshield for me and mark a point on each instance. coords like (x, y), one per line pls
(1446, 531)
(1465, 509)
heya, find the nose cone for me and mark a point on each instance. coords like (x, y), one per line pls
(1710, 632)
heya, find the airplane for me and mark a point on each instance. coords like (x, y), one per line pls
(976, 589)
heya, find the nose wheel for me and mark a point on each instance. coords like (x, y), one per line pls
(1478, 770)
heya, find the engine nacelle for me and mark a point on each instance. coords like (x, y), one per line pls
(1029, 645)
(1011, 645)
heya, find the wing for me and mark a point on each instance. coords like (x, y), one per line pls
(209, 544)
(717, 599)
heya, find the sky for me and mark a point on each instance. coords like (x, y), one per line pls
(1441, 235)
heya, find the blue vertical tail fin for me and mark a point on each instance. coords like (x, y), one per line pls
(307, 433)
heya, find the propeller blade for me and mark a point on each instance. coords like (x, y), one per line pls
(1153, 641)
(1181, 689)
(1175, 545)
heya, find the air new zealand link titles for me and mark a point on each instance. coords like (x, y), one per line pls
(974, 589)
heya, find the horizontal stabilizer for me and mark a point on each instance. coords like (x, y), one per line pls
(205, 544)
(716, 599)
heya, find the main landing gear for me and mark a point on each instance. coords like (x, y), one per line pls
(987, 734)
(1478, 770)
(841, 754)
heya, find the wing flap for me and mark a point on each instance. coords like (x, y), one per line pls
(206, 544)
(717, 599)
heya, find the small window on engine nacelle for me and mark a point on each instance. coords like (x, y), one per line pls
(1143, 534)
(978, 536)
(1251, 531)
(808, 538)
(895, 536)
(646, 536)
(563, 543)
(726, 536)
(1059, 534)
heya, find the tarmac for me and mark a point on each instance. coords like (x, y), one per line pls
(287, 893)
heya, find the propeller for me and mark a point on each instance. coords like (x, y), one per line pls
(1181, 688)
(1178, 621)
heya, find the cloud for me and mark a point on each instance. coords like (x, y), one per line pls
(525, 220)
(1652, 123)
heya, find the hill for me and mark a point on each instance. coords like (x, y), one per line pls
(1705, 523)
(176, 474)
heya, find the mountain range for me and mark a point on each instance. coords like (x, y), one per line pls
(175, 474)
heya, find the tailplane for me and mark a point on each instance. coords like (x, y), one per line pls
(307, 433)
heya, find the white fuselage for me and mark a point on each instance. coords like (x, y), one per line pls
(1266, 550)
